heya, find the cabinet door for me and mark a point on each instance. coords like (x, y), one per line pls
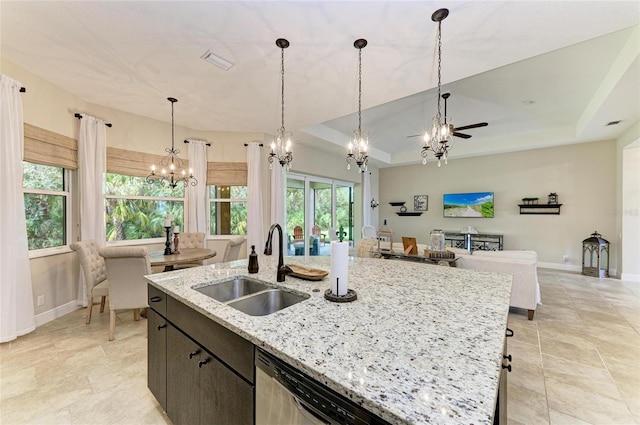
(157, 357)
(225, 398)
(183, 356)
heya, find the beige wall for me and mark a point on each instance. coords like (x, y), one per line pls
(583, 175)
(630, 213)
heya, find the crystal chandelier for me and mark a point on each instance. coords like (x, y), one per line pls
(177, 173)
(438, 139)
(360, 142)
(281, 146)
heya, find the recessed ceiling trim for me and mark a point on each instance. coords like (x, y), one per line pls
(218, 61)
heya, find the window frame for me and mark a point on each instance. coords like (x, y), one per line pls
(147, 241)
(66, 192)
(210, 201)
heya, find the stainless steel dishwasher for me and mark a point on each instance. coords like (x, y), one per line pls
(285, 395)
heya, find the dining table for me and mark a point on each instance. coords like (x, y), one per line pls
(185, 256)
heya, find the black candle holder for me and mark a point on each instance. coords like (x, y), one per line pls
(167, 244)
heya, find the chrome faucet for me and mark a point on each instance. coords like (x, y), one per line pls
(282, 269)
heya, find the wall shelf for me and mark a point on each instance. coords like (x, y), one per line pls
(396, 204)
(409, 213)
(540, 209)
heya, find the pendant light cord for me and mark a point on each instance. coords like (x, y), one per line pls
(360, 93)
(439, 115)
(282, 86)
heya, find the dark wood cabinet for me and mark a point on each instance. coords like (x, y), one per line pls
(157, 357)
(203, 371)
(183, 374)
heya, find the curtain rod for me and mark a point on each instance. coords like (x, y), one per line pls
(208, 144)
(247, 144)
(108, 124)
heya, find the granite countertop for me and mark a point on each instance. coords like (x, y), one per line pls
(421, 344)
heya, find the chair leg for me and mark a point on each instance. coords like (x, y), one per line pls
(102, 302)
(112, 325)
(136, 314)
(89, 308)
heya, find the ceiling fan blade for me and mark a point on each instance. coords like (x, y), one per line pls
(467, 127)
(415, 135)
(464, 136)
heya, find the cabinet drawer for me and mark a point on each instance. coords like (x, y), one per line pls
(157, 300)
(232, 349)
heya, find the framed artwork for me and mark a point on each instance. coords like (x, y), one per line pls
(420, 203)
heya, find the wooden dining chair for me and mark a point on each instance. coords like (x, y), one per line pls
(95, 273)
(126, 268)
(316, 231)
(298, 234)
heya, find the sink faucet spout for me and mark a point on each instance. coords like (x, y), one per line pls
(268, 250)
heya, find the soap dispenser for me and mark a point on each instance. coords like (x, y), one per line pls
(253, 260)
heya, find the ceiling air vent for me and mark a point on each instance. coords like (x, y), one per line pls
(217, 60)
(613, 123)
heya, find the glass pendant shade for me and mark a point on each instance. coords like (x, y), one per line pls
(281, 146)
(358, 147)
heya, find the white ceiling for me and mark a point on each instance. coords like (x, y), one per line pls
(578, 60)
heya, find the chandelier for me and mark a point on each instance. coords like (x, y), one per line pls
(177, 173)
(360, 142)
(438, 139)
(281, 146)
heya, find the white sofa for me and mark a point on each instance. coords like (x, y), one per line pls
(522, 265)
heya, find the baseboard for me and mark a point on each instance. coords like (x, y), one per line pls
(559, 266)
(630, 277)
(54, 313)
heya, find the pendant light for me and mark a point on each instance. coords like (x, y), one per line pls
(438, 139)
(281, 146)
(176, 173)
(359, 146)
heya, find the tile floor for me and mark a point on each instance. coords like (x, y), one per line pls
(577, 362)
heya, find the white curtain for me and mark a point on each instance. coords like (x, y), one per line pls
(92, 166)
(197, 195)
(16, 295)
(255, 226)
(278, 181)
(366, 198)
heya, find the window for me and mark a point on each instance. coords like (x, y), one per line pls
(228, 210)
(136, 209)
(46, 197)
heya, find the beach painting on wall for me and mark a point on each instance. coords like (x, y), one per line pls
(479, 204)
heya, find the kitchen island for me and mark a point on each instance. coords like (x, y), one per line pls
(421, 344)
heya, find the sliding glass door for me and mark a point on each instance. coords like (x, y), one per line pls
(315, 209)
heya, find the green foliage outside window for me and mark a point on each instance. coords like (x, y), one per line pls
(45, 213)
(228, 210)
(137, 216)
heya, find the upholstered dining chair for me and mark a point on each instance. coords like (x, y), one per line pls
(126, 267)
(369, 231)
(191, 240)
(95, 273)
(232, 250)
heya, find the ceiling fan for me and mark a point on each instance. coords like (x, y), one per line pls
(455, 130)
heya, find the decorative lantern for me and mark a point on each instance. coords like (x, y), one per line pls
(553, 198)
(385, 234)
(595, 256)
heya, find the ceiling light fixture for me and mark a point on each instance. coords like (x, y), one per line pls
(438, 139)
(218, 61)
(281, 146)
(172, 162)
(360, 142)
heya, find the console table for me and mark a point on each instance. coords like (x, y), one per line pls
(415, 257)
(480, 241)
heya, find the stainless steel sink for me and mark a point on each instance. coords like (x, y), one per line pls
(233, 288)
(267, 302)
(250, 296)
